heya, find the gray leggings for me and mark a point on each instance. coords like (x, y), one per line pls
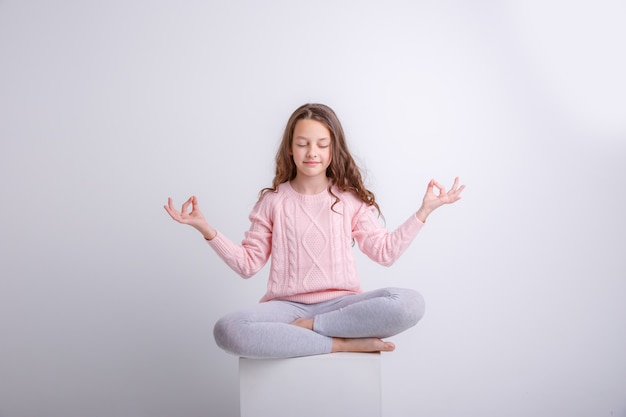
(265, 330)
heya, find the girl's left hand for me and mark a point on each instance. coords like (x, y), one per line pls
(434, 200)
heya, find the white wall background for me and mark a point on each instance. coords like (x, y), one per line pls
(108, 108)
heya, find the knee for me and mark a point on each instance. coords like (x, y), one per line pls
(416, 306)
(411, 305)
(225, 335)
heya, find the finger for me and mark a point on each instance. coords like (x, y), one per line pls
(195, 207)
(173, 213)
(430, 191)
(186, 204)
(442, 189)
(169, 207)
(456, 183)
(456, 196)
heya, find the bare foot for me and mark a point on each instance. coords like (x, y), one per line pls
(366, 344)
(302, 322)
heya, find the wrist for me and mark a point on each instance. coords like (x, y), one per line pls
(422, 214)
(208, 233)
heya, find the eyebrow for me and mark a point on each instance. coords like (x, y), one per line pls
(305, 138)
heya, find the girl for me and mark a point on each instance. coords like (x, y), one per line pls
(307, 222)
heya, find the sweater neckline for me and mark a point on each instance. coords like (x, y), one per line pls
(309, 197)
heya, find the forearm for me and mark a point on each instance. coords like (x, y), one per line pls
(246, 258)
(423, 213)
(207, 231)
(382, 246)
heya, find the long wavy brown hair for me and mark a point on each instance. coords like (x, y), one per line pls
(343, 172)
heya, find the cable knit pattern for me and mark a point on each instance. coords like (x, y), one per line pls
(310, 245)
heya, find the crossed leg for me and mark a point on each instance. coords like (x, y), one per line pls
(355, 323)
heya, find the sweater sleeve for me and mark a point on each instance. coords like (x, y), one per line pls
(377, 242)
(247, 258)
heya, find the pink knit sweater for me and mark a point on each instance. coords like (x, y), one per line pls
(311, 245)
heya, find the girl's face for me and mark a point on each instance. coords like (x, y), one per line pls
(310, 148)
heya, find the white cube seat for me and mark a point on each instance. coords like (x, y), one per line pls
(335, 384)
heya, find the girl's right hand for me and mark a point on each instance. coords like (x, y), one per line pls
(193, 218)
